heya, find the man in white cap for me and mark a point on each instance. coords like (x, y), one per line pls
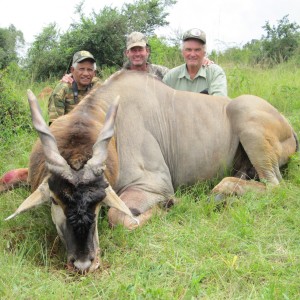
(193, 75)
(138, 51)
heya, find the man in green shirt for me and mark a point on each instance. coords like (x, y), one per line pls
(66, 96)
(193, 75)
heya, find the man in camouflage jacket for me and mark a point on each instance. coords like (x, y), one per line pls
(66, 96)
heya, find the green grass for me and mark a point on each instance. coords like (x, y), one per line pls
(247, 249)
(279, 85)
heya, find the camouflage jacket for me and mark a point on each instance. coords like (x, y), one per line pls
(62, 99)
(157, 70)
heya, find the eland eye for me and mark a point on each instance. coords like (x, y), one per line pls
(53, 201)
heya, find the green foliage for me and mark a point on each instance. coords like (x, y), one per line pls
(11, 40)
(279, 85)
(248, 250)
(255, 52)
(281, 41)
(102, 33)
(45, 58)
(233, 55)
(15, 115)
(163, 54)
(146, 15)
(295, 59)
(250, 54)
(280, 44)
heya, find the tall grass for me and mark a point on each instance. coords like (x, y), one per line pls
(248, 249)
(279, 85)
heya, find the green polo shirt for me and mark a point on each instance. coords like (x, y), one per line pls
(210, 77)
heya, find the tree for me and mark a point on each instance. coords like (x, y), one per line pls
(255, 51)
(164, 54)
(281, 41)
(11, 40)
(146, 15)
(15, 116)
(45, 58)
(102, 33)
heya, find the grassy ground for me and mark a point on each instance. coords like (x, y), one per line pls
(247, 249)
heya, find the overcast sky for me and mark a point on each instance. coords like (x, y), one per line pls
(226, 22)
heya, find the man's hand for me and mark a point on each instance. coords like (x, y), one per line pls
(206, 62)
(67, 78)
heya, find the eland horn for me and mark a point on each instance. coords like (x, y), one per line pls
(94, 166)
(56, 163)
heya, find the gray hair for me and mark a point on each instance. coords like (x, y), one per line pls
(182, 45)
(76, 64)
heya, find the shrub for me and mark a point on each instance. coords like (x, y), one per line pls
(15, 114)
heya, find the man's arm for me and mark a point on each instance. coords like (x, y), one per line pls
(206, 61)
(167, 79)
(217, 81)
(56, 104)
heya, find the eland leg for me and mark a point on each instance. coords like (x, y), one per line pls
(13, 178)
(237, 186)
(142, 205)
(265, 135)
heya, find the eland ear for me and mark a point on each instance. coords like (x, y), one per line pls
(38, 197)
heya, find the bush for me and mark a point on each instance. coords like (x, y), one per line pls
(281, 41)
(15, 114)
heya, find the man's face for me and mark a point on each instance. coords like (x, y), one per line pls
(193, 53)
(137, 56)
(83, 73)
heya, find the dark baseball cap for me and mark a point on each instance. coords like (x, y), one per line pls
(194, 33)
(83, 55)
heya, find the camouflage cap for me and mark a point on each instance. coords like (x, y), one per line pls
(83, 55)
(136, 39)
(194, 33)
